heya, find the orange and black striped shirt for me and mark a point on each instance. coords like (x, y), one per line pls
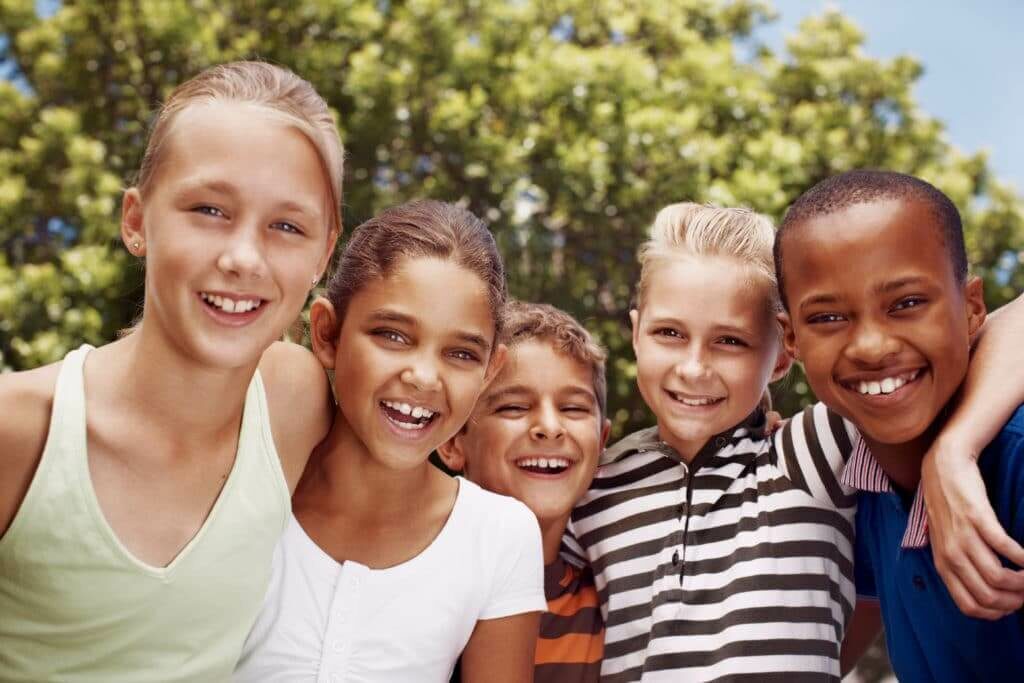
(571, 641)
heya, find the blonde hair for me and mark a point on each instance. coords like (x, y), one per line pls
(689, 229)
(276, 89)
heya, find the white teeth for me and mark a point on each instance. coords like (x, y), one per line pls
(418, 412)
(696, 401)
(230, 305)
(887, 385)
(545, 463)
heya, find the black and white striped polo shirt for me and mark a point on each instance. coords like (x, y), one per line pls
(737, 566)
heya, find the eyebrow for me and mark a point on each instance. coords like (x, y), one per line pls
(389, 315)
(517, 389)
(883, 288)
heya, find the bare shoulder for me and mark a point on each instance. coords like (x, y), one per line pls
(298, 396)
(26, 399)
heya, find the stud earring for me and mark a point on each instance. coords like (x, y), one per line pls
(135, 246)
(316, 279)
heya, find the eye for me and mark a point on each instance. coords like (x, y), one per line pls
(511, 409)
(733, 341)
(667, 332)
(824, 318)
(208, 210)
(465, 355)
(285, 226)
(391, 336)
(577, 409)
(908, 303)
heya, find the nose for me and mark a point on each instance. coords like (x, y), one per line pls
(547, 425)
(422, 374)
(871, 344)
(243, 255)
(693, 366)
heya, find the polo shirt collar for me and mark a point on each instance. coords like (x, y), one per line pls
(648, 440)
(863, 472)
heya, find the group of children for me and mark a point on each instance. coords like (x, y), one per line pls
(196, 502)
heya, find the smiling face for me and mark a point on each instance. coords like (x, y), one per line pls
(706, 344)
(878, 316)
(411, 357)
(234, 228)
(537, 432)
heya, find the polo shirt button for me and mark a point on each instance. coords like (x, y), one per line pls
(918, 581)
(675, 558)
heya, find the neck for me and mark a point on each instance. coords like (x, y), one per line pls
(901, 462)
(551, 531)
(343, 478)
(144, 374)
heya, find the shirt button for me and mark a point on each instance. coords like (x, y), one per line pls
(675, 558)
(918, 581)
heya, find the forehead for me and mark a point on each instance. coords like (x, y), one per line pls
(707, 290)
(537, 364)
(437, 293)
(861, 243)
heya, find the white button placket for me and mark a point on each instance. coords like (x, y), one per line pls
(341, 624)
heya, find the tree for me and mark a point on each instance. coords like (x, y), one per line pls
(565, 123)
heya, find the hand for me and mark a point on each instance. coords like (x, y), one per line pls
(965, 535)
(773, 422)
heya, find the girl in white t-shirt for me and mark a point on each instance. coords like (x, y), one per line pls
(389, 569)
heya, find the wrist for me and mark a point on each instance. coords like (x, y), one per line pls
(954, 445)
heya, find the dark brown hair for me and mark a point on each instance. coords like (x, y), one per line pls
(542, 322)
(419, 228)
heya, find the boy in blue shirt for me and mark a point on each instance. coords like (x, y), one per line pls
(880, 309)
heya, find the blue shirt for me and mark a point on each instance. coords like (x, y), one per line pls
(928, 637)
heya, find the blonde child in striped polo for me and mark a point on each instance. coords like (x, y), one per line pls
(536, 434)
(719, 552)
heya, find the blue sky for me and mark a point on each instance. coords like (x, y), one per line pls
(973, 57)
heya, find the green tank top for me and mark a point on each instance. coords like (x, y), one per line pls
(76, 606)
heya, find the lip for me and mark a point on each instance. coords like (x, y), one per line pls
(232, 319)
(408, 435)
(675, 399)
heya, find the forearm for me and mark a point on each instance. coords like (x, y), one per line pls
(994, 386)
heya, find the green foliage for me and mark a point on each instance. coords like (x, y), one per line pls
(566, 124)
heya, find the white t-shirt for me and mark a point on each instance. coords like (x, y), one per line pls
(336, 622)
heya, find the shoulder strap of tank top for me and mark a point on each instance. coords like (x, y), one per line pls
(67, 418)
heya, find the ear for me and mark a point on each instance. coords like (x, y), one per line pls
(132, 229)
(974, 299)
(453, 453)
(606, 430)
(496, 363)
(324, 329)
(783, 362)
(634, 320)
(788, 335)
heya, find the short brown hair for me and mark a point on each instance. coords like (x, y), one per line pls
(418, 228)
(526, 321)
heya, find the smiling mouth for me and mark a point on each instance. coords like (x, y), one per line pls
(550, 465)
(408, 417)
(695, 401)
(884, 386)
(228, 305)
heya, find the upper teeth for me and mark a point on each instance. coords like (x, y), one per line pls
(887, 385)
(406, 409)
(230, 305)
(543, 462)
(695, 401)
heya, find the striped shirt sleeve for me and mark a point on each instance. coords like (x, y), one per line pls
(812, 449)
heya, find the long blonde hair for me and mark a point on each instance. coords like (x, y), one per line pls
(280, 92)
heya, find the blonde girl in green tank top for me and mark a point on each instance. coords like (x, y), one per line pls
(143, 484)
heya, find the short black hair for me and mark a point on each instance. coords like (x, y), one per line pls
(862, 186)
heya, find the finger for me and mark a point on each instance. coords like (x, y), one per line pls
(966, 602)
(995, 536)
(984, 596)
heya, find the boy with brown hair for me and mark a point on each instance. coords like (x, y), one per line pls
(881, 311)
(536, 434)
